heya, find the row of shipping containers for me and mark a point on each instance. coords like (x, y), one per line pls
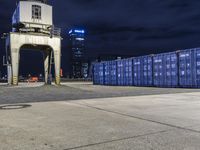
(174, 69)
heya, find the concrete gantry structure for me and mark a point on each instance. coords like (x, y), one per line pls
(33, 30)
(50, 46)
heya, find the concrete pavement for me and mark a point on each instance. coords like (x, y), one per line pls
(153, 122)
(37, 92)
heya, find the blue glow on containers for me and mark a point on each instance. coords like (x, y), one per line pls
(189, 68)
(173, 69)
(166, 69)
(142, 71)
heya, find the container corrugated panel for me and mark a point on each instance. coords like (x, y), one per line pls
(197, 67)
(120, 72)
(189, 68)
(113, 73)
(147, 70)
(165, 68)
(170, 69)
(143, 75)
(186, 62)
(158, 70)
(107, 72)
(137, 71)
(101, 73)
(96, 74)
(128, 71)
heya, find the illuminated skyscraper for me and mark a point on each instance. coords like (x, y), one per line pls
(77, 45)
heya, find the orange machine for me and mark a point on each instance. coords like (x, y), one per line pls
(33, 79)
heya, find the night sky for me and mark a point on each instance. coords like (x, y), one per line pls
(128, 27)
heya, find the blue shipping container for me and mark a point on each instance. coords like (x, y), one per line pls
(98, 74)
(147, 70)
(107, 72)
(174, 69)
(171, 69)
(143, 75)
(189, 68)
(124, 72)
(96, 80)
(113, 73)
(128, 71)
(137, 72)
(120, 72)
(101, 73)
(165, 70)
(197, 65)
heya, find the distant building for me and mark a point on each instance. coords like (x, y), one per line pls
(107, 57)
(79, 65)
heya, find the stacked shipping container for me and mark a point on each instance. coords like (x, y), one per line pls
(174, 69)
(137, 73)
(98, 74)
(165, 70)
(142, 70)
(120, 72)
(189, 68)
(107, 73)
(147, 70)
(113, 72)
(128, 71)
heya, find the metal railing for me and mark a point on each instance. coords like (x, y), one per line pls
(55, 31)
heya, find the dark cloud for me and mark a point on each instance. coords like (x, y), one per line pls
(130, 27)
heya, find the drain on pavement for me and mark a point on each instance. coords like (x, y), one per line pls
(18, 106)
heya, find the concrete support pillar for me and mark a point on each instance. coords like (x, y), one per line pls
(15, 65)
(9, 74)
(15, 41)
(47, 65)
(57, 62)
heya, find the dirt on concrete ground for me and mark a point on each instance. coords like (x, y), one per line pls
(37, 92)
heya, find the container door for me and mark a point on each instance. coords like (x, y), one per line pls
(174, 70)
(137, 72)
(120, 71)
(158, 70)
(147, 71)
(189, 73)
(107, 73)
(168, 79)
(126, 72)
(185, 69)
(145, 66)
(150, 72)
(155, 69)
(95, 74)
(130, 71)
(198, 68)
(182, 69)
(113, 73)
(101, 73)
